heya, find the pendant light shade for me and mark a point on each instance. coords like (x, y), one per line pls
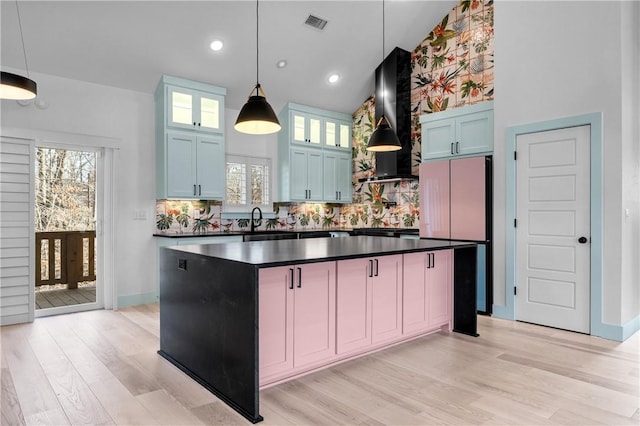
(256, 116)
(384, 138)
(16, 87)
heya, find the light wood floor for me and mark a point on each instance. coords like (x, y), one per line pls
(101, 367)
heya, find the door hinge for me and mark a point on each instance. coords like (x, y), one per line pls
(515, 155)
(515, 291)
(515, 223)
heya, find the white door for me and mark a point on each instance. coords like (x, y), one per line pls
(553, 225)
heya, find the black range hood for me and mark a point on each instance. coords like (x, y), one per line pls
(395, 71)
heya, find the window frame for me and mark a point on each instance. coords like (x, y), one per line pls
(249, 161)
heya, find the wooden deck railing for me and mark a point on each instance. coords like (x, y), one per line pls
(68, 257)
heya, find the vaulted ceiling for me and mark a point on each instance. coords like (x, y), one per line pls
(130, 44)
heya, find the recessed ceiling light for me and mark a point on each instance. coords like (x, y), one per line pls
(216, 45)
(281, 63)
(333, 78)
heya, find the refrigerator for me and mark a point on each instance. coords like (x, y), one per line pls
(456, 204)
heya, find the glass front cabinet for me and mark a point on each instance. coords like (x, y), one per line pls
(190, 140)
(323, 173)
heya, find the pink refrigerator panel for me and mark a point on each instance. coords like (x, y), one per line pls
(434, 199)
(468, 208)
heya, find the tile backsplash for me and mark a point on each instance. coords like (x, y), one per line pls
(376, 205)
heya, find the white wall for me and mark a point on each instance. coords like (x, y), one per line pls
(91, 109)
(554, 60)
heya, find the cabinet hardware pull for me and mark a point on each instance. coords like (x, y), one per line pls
(198, 124)
(370, 268)
(428, 260)
(194, 189)
(376, 267)
(199, 189)
(291, 277)
(194, 123)
(433, 260)
(299, 277)
(457, 147)
(451, 148)
(339, 195)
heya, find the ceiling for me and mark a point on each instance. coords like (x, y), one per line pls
(130, 44)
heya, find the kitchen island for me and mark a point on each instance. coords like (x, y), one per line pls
(215, 327)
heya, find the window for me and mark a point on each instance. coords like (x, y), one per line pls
(248, 183)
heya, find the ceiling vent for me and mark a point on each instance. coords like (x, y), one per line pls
(315, 22)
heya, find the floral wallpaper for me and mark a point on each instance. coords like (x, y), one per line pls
(450, 68)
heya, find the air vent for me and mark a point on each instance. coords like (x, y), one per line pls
(315, 22)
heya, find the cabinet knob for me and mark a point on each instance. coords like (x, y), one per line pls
(194, 123)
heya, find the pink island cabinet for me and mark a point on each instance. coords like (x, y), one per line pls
(296, 317)
(427, 297)
(369, 302)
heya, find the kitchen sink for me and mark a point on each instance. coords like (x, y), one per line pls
(269, 235)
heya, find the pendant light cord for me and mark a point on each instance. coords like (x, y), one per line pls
(257, 49)
(24, 51)
(382, 64)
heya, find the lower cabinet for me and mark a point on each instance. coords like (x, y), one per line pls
(368, 302)
(314, 314)
(300, 295)
(427, 295)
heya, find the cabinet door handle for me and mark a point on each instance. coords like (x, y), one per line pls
(199, 189)
(457, 147)
(198, 124)
(194, 189)
(299, 277)
(376, 268)
(428, 260)
(433, 260)
(291, 278)
(194, 123)
(451, 148)
(370, 268)
(309, 194)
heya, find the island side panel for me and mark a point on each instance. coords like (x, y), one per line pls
(209, 325)
(465, 318)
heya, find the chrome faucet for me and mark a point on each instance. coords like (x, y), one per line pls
(253, 223)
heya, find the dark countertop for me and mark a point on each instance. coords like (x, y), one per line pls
(352, 231)
(295, 251)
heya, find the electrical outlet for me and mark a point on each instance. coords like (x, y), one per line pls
(182, 264)
(140, 215)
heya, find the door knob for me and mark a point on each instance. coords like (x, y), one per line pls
(582, 240)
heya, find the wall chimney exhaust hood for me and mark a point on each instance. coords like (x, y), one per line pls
(396, 72)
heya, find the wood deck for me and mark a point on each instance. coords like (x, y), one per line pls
(64, 297)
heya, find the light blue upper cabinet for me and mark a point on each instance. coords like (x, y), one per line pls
(306, 174)
(319, 171)
(194, 110)
(458, 132)
(190, 141)
(305, 128)
(337, 177)
(337, 134)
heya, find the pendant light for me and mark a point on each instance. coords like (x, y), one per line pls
(14, 86)
(256, 116)
(383, 138)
